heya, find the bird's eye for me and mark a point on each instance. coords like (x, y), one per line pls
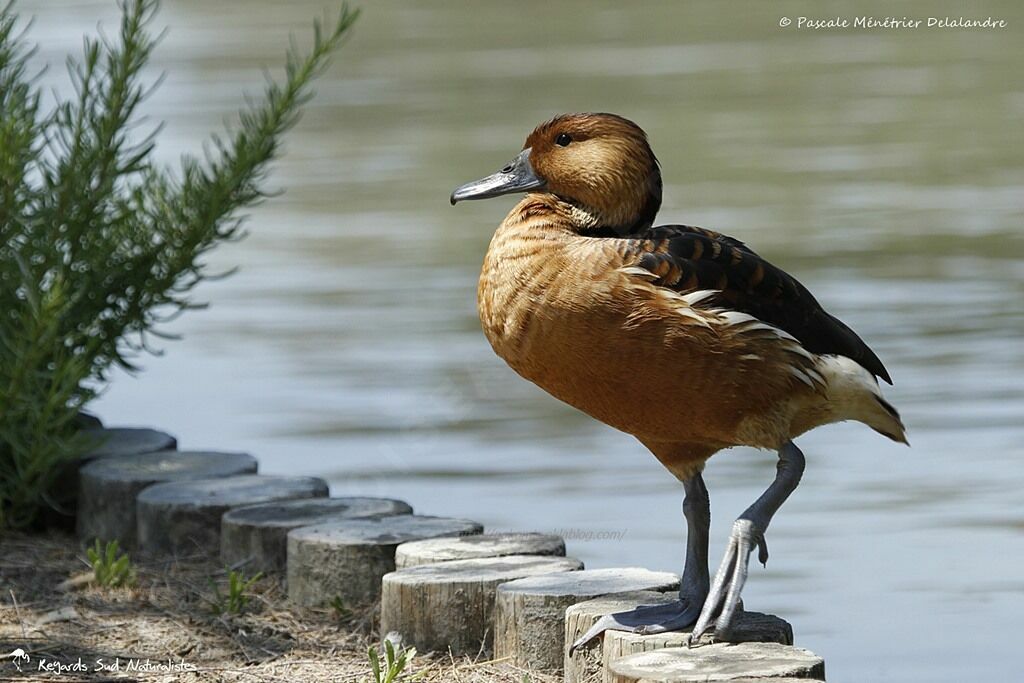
(563, 140)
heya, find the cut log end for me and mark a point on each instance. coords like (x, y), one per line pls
(109, 486)
(750, 627)
(256, 536)
(347, 559)
(586, 663)
(719, 662)
(183, 518)
(450, 605)
(436, 550)
(99, 442)
(105, 442)
(530, 613)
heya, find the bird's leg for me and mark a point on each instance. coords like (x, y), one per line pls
(693, 589)
(747, 532)
(695, 582)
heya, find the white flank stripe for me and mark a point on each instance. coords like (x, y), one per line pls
(690, 313)
(737, 318)
(799, 374)
(751, 323)
(786, 335)
(694, 298)
(797, 349)
(638, 271)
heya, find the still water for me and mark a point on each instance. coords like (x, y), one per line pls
(882, 167)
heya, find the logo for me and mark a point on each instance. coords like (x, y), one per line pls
(19, 657)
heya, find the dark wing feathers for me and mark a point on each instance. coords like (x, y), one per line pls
(687, 259)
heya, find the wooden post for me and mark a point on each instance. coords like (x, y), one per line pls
(257, 535)
(750, 627)
(585, 665)
(718, 662)
(529, 621)
(100, 443)
(86, 420)
(109, 486)
(184, 517)
(435, 550)
(114, 441)
(347, 559)
(450, 605)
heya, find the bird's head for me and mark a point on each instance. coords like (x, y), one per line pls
(601, 164)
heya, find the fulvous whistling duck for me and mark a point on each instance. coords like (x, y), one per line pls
(680, 336)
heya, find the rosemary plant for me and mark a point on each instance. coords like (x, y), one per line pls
(98, 245)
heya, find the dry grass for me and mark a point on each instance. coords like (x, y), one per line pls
(167, 617)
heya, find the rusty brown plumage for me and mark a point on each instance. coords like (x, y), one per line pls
(681, 336)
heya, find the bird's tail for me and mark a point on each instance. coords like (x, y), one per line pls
(854, 395)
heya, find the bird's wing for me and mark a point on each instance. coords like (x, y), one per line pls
(688, 259)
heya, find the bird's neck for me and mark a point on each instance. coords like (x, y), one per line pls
(561, 214)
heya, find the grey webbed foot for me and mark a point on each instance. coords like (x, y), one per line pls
(646, 620)
(724, 598)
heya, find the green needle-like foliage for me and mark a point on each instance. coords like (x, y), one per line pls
(99, 246)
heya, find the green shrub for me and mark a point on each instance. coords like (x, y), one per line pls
(98, 245)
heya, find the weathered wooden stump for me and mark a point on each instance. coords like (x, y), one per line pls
(718, 662)
(436, 550)
(750, 627)
(86, 420)
(585, 665)
(257, 535)
(114, 441)
(108, 486)
(529, 620)
(184, 517)
(451, 604)
(347, 559)
(99, 442)
(590, 662)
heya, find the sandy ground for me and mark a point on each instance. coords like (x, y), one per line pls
(166, 622)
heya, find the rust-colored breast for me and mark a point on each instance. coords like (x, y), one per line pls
(567, 313)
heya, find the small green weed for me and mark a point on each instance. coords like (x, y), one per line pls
(341, 612)
(237, 597)
(110, 567)
(390, 670)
